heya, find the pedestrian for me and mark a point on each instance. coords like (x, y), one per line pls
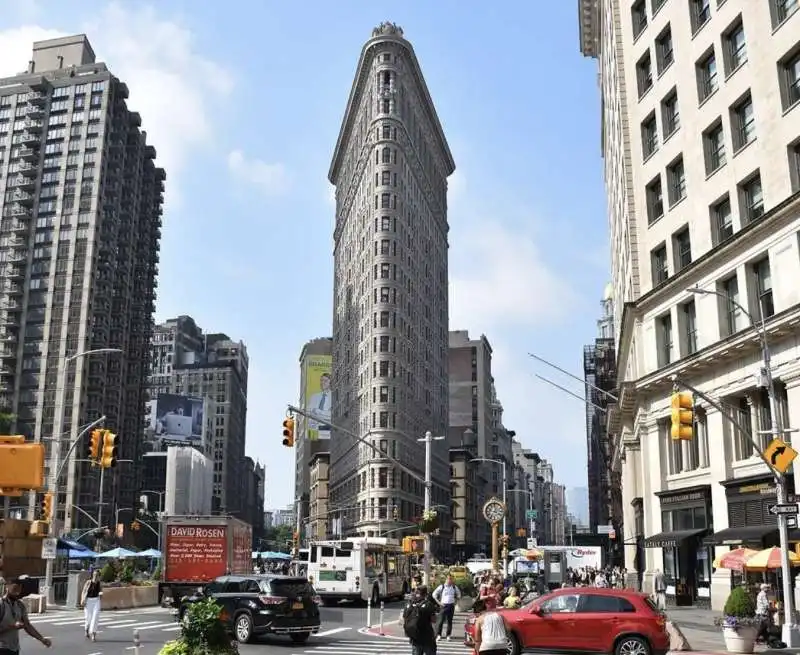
(491, 632)
(14, 617)
(447, 595)
(417, 622)
(90, 601)
(660, 588)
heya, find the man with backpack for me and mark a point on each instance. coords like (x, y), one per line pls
(14, 618)
(418, 622)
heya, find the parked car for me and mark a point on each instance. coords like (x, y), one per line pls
(585, 620)
(255, 605)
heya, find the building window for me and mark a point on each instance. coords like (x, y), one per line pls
(721, 221)
(707, 82)
(729, 301)
(674, 454)
(664, 53)
(639, 17)
(735, 53)
(649, 136)
(714, 147)
(794, 165)
(743, 123)
(658, 264)
(762, 285)
(670, 116)
(752, 199)
(682, 249)
(700, 13)
(657, 4)
(781, 10)
(655, 200)
(664, 337)
(644, 74)
(688, 325)
(676, 179)
(789, 70)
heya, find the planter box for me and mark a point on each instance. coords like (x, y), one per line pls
(740, 640)
(35, 604)
(123, 598)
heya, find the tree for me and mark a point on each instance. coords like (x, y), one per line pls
(6, 421)
(279, 537)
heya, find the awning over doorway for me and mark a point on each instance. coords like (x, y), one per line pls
(749, 534)
(670, 539)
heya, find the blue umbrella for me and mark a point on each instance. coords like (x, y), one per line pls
(152, 553)
(117, 553)
(81, 554)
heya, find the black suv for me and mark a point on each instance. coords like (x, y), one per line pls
(263, 604)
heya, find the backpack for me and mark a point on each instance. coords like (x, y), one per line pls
(412, 617)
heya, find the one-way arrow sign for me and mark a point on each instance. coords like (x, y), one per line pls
(783, 509)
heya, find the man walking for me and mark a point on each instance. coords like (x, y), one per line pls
(660, 587)
(447, 595)
(14, 617)
(417, 622)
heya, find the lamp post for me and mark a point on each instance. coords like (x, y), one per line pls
(530, 507)
(56, 466)
(790, 635)
(505, 486)
(428, 439)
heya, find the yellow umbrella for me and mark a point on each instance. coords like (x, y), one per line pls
(734, 560)
(769, 559)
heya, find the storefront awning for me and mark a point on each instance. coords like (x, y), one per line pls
(750, 534)
(668, 539)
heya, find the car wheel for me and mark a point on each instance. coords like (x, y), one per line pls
(632, 645)
(376, 596)
(512, 645)
(243, 628)
(300, 637)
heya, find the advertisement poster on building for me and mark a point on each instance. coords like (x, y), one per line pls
(319, 396)
(176, 419)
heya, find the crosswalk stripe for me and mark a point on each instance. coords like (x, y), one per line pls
(377, 646)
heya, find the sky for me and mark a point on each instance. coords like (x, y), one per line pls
(244, 107)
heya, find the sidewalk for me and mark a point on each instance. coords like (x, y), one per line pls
(696, 624)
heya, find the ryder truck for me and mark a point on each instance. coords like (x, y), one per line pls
(198, 549)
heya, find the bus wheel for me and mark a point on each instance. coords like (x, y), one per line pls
(376, 596)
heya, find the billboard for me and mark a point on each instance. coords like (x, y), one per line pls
(177, 419)
(318, 396)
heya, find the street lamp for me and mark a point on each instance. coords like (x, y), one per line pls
(530, 507)
(505, 503)
(791, 635)
(55, 466)
(428, 440)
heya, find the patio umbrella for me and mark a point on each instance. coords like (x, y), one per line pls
(81, 554)
(734, 560)
(152, 553)
(117, 553)
(769, 560)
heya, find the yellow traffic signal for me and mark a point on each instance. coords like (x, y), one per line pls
(21, 465)
(288, 432)
(682, 416)
(108, 457)
(47, 507)
(95, 440)
(135, 526)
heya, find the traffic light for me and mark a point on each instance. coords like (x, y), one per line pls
(135, 527)
(682, 416)
(47, 507)
(288, 432)
(521, 532)
(21, 465)
(108, 457)
(95, 442)
(395, 513)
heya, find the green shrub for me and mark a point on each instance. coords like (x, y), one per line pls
(467, 588)
(108, 573)
(203, 631)
(157, 572)
(739, 604)
(127, 573)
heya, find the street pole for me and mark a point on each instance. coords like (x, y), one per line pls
(428, 439)
(790, 632)
(100, 498)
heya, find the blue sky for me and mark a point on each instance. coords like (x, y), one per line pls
(244, 107)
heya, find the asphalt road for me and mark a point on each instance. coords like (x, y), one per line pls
(339, 634)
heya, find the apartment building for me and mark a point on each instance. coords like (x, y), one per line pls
(701, 152)
(79, 242)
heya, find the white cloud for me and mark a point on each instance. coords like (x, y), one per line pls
(172, 85)
(499, 279)
(270, 179)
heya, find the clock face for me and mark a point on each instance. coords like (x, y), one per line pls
(494, 511)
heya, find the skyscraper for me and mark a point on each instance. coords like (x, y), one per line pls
(390, 339)
(80, 232)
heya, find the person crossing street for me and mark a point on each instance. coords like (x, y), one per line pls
(14, 617)
(447, 595)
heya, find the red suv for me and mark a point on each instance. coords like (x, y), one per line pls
(586, 620)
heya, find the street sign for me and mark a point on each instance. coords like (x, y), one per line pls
(49, 547)
(779, 455)
(783, 509)
(532, 543)
(791, 523)
(531, 514)
(605, 529)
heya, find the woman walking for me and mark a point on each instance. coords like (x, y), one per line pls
(90, 601)
(491, 633)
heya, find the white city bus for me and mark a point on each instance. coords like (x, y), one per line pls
(360, 568)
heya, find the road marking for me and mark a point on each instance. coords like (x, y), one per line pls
(332, 632)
